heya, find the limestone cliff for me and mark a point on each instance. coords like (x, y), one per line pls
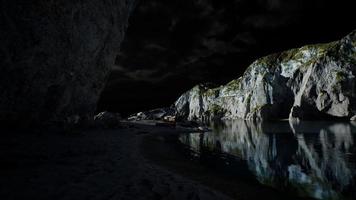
(312, 82)
(55, 56)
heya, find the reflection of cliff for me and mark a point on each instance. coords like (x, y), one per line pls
(325, 158)
(314, 159)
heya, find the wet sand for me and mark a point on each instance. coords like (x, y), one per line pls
(99, 164)
(128, 163)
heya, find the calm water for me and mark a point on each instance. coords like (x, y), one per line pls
(314, 159)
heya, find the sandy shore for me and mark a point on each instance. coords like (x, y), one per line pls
(127, 163)
(100, 164)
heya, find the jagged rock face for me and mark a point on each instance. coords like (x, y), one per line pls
(312, 82)
(56, 55)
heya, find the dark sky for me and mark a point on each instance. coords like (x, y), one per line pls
(171, 45)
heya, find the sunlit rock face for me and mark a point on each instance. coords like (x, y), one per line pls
(312, 82)
(312, 159)
(56, 55)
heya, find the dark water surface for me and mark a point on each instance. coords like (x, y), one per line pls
(310, 159)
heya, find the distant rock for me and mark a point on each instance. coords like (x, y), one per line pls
(166, 114)
(107, 119)
(312, 82)
(353, 118)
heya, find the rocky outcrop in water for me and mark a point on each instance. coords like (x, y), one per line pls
(55, 56)
(155, 114)
(312, 82)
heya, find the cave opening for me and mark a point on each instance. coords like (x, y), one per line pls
(171, 46)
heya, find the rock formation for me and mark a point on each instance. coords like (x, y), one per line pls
(172, 45)
(312, 82)
(155, 114)
(55, 56)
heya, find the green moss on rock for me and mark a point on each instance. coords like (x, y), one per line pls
(340, 76)
(214, 92)
(233, 85)
(257, 108)
(216, 109)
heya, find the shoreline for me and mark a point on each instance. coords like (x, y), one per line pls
(93, 164)
(168, 155)
(133, 162)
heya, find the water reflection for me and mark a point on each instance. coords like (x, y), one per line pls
(315, 159)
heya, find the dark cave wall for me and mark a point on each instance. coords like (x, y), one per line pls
(56, 55)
